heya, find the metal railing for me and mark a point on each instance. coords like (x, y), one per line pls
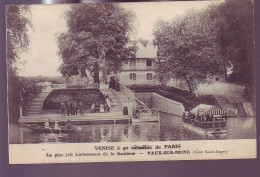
(59, 86)
(141, 108)
(73, 86)
(139, 113)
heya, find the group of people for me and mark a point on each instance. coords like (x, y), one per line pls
(101, 106)
(201, 118)
(68, 125)
(71, 108)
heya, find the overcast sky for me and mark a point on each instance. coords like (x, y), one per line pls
(42, 57)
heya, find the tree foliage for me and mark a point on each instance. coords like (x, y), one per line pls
(97, 33)
(208, 42)
(18, 22)
(235, 36)
(187, 49)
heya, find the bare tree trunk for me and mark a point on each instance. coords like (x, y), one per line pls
(189, 85)
(96, 73)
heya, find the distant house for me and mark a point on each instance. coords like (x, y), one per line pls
(140, 70)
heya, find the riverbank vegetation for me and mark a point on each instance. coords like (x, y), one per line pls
(18, 23)
(218, 40)
(21, 91)
(87, 96)
(189, 100)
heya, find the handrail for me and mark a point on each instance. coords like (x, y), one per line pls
(131, 95)
(72, 86)
(141, 105)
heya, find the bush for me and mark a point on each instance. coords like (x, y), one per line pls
(87, 96)
(144, 88)
(189, 100)
(29, 92)
(17, 87)
(114, 84)
(205, 99)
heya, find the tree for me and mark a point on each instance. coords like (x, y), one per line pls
(97, 35)
(187, 49)
(235, 36)
(18, 22)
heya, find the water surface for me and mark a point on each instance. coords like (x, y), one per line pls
(170, 128)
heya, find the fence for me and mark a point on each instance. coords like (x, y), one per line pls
(72, 86)
(141, 113)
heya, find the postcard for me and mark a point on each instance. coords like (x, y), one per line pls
(146, 81)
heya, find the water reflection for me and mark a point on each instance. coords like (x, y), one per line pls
(169, 129)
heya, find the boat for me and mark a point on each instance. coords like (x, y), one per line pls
(212, 120)
(214, 127)
(41, 129)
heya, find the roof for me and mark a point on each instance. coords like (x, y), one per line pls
(205, 109)
(149, 51)
(201, 108)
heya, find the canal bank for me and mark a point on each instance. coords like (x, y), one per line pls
(165, 105)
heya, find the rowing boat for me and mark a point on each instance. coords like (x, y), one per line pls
(41, 129)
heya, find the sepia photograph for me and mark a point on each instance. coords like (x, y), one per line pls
(93, 73)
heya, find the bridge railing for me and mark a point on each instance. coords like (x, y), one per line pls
(139, 113)
(73, 86)
(141, 107)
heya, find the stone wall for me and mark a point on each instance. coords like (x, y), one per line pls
(163, 104)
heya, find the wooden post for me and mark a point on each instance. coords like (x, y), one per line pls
(159, 121)
(21, 111)
(21, 132)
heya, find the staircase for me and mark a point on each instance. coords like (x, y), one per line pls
(115, 102)
(36, 104)
(231, 103)
(138, 109)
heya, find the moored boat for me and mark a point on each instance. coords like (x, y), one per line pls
(41, 129)
(214, 127)
(208, 119)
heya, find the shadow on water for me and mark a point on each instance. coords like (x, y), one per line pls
(170, 128)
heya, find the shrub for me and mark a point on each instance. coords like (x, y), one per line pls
(114, 84)
(189, 100)
(204, 99)
(87, 96)
(143, 88)
(29, 91)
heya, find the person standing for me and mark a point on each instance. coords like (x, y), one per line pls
(67, 108)
(97, 107)
(71, 108)
(125, 108)
(62, 109)
(108, 102)
(101, 109)
(75, 108)
(81, 108)
(93, 106)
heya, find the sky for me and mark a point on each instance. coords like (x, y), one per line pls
(42, 57)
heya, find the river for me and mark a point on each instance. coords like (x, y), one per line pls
(170, 128)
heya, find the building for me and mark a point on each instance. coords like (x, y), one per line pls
(140, 70)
